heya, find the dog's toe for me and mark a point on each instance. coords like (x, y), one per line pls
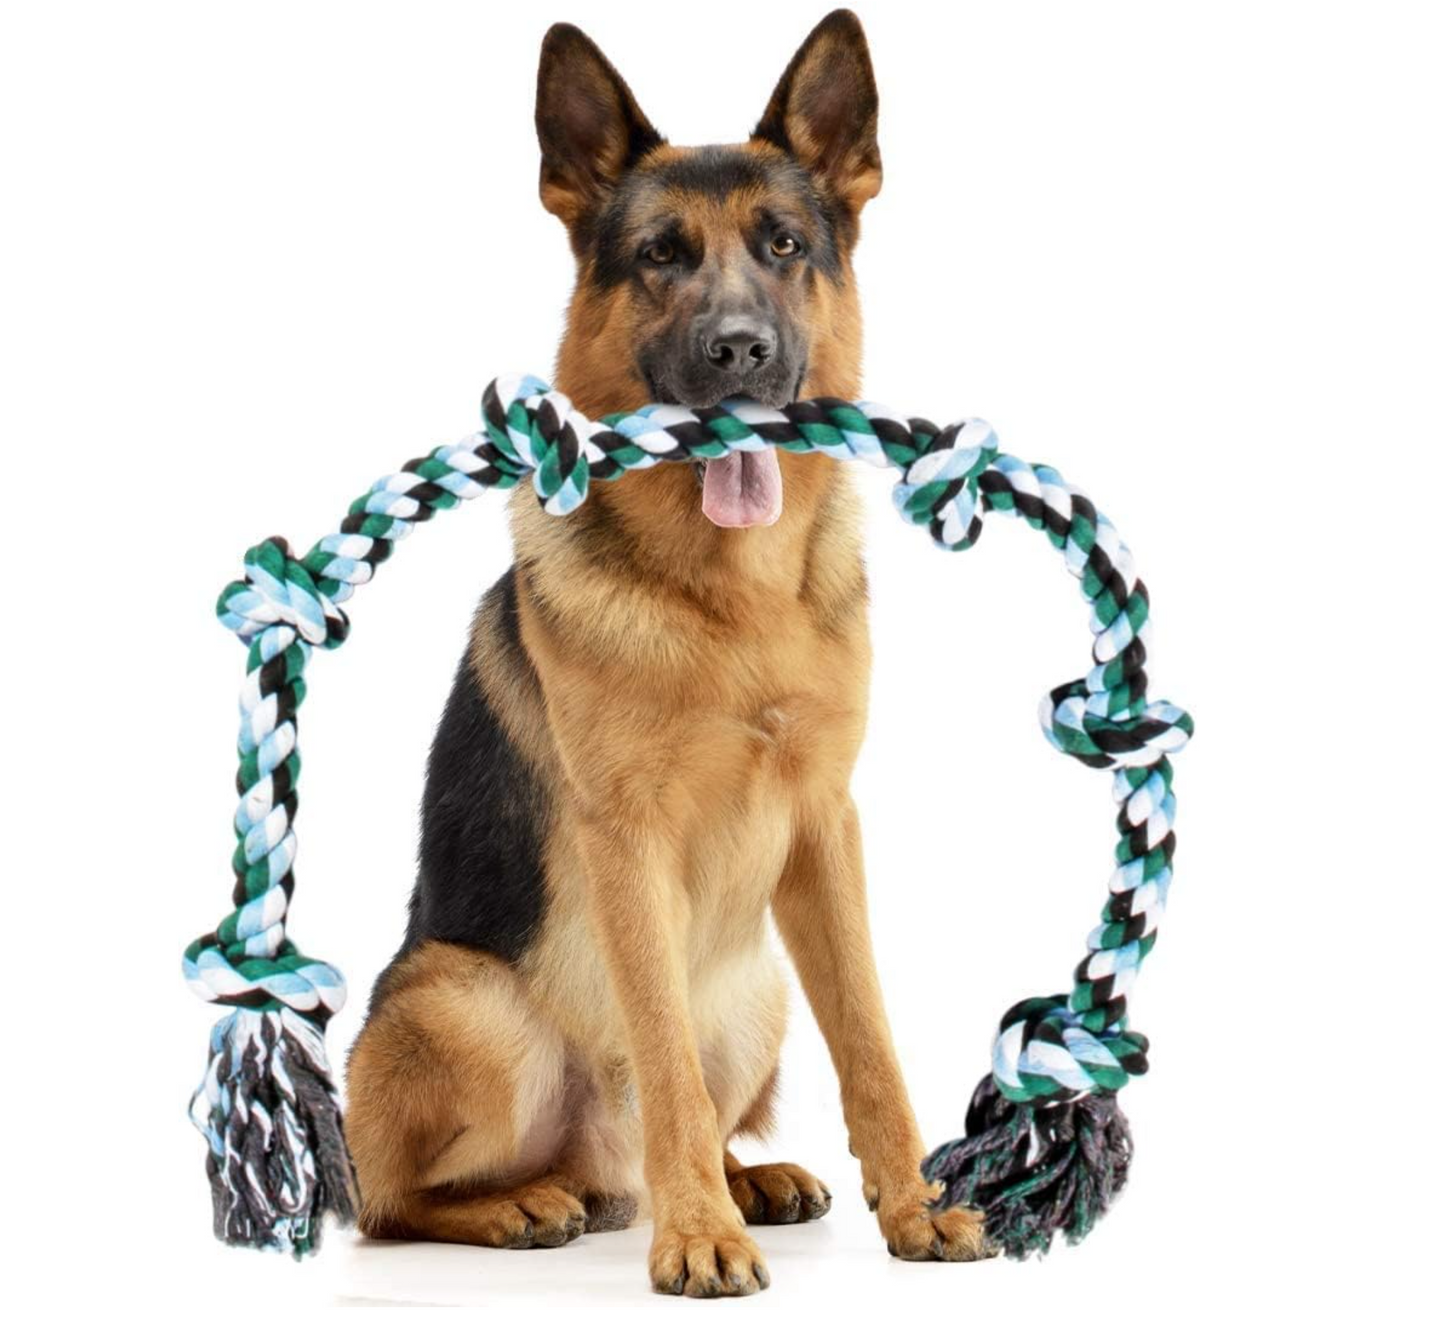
(706, 1266)
(780, 1194)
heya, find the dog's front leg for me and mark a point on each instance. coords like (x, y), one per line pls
(699, 1245)
(822, 915)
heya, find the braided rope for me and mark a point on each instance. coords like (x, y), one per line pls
(1049, 1050)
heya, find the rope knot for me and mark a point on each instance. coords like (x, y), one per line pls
(535, 429)
(939, 488)
(1045, 1052)
(1081, 723)
(277, 589)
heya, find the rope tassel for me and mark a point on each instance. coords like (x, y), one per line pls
(1046, 1149)
(1034, 1170)
(268, 1107)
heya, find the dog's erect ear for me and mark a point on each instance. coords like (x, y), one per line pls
(825, 110)
(588, 124)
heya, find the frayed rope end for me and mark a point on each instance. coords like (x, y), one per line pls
(269, 1110)
(1035, 1169)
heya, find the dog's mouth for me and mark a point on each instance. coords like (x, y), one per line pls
(741, 489)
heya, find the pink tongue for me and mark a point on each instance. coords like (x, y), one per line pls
(743, 489)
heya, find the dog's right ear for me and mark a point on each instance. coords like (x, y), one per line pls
(588, 124)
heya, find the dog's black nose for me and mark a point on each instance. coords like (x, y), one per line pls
(739, 344)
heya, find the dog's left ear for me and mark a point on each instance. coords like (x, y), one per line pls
(824, 110)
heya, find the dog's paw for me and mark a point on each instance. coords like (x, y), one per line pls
(778, 1194)
(916, 1232)
(706, 1266)
(535, 1215)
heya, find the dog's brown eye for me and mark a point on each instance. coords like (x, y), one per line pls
(659, 252)
(784, 246)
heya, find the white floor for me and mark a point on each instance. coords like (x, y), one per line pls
(824, 1265)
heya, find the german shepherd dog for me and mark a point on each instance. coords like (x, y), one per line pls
(649, 742)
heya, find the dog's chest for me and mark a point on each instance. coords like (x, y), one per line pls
(712, 734)
(754, 760)
(740, 790)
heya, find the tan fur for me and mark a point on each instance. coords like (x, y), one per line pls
(702, 699)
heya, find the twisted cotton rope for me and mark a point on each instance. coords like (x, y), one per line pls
(270, 1180)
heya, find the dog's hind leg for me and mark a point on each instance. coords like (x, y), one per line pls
(541, 1214)
(458, 1109)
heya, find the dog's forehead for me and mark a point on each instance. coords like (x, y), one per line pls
(716, 185)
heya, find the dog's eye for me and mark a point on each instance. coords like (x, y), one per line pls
(785, 246)
(659, 252)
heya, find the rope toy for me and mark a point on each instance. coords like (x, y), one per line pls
(1046, 1147)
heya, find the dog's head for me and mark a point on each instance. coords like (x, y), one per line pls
(710, 272)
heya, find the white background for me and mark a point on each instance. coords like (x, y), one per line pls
(255, 256)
